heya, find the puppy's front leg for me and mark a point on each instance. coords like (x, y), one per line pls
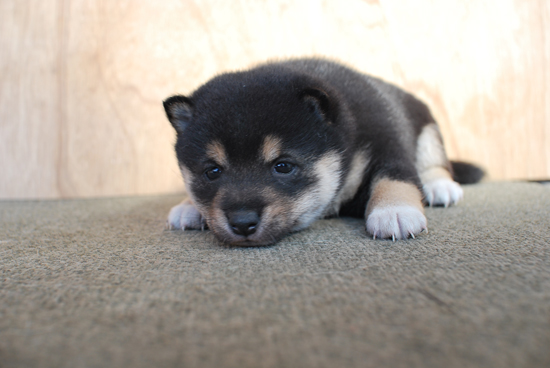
(185, 216)
(395, 210)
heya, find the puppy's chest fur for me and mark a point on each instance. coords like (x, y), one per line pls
(267, 151)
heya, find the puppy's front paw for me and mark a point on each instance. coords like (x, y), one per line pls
(396, 222)
(185, 216)
(442, 192)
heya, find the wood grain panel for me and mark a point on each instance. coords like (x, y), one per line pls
(29, 104)
(82, 81)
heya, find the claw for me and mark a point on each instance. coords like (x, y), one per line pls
(412, 235)
(395, 223)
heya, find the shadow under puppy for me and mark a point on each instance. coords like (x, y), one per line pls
(267, 151)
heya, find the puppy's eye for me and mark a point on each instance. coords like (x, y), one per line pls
(283, 167)
(213, 173)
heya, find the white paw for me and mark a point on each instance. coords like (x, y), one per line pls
(442, 192)
(185, 216)
(396, 222)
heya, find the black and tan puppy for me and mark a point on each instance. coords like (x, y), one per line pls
(267, 151)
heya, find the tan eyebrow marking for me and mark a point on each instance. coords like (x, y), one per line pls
(271, 148)
(216, 152)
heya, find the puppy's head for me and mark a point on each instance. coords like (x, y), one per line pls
(260, 153)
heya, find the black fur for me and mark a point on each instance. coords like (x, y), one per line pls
(362, 107)
(238, 108)
(382, 117)
(466, 173)
(316, 106)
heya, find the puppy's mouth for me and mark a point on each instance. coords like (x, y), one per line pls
(261, 237)
(247, 228)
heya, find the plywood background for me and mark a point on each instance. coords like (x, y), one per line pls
(81, 82)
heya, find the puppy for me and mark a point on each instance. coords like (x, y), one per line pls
(266, 152)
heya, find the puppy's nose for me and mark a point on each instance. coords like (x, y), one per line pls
(243, 222)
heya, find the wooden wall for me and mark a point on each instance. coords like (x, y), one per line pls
(81, 82)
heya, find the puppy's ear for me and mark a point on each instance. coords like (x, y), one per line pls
(179, 110)
(319, 103)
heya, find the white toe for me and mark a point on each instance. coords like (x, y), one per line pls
(185, 216)
(442, 192)
(396, 222)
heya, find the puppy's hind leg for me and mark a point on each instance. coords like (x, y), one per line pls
(185, 216)
(434, 169)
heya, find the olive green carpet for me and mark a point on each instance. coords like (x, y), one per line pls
(100, 283)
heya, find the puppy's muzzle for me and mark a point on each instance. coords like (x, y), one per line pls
(243, 222)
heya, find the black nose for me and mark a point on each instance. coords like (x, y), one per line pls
(243, 222)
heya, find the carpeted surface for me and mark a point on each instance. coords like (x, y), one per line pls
(100, 283)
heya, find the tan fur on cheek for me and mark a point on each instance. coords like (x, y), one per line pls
(353, 179)
(271, 148)
(328, 172)
(216, 219)
(315, 202)
(186, 174)
(277, 214)
(188, 179)
(276, 221)
(216, 152)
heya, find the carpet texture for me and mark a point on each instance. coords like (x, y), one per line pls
(100, 283)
